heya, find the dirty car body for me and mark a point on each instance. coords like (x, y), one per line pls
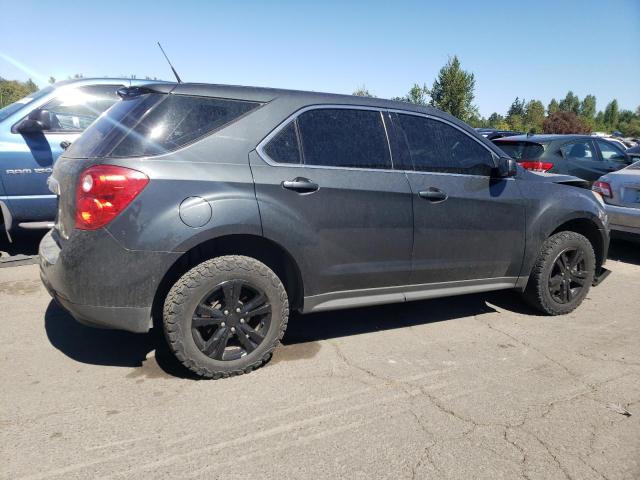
(335, 198)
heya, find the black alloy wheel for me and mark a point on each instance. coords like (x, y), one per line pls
(231, 320)
(568, 275)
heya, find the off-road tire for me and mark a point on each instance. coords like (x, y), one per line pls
(184, 296)
(537, 293)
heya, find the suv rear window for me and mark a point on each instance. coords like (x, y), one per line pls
(152, 124)
(521, 150)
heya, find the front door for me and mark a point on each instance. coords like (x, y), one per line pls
(328, 194)
(467, 225)
(583, 161)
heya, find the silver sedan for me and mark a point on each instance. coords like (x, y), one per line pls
(621, 193)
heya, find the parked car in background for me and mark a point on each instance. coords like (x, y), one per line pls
(218, 209)
(492, 133)
(33, 133)
(633, 153)
(583, 156)
(620, 142)
(621, 193)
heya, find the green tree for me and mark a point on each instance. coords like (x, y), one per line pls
(453, 90)
(534, 116)
(13, 90)
(52, 80)
(553, 106)
(630, 128)
(515, 114)
(362, 92)
(570, 103)
(588, 108)
(495, 119)
(417, 95)
(611, 115)
(625, 116)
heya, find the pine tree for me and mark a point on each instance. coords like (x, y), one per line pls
(452, 91)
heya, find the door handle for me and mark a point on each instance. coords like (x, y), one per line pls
(300, 185)
(65, 144)
(433, 194)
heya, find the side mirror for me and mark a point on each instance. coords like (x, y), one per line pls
(507, 167)
(36, 121)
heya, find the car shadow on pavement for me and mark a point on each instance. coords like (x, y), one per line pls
(25, 242)
(123, 349)
(624, 250)
(343, 323)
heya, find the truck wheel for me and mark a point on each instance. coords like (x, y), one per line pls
(225, 316)
(562, 274)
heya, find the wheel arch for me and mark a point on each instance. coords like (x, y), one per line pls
(6, 220)
(584, 223)
(261, 248)
(588, 228)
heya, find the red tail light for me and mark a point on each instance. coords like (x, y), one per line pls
(603, 188)
(536, 166)
(103, 192)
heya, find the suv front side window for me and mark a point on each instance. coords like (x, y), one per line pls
(73, 110)
(342, 137)
(438, 147)
(580, 150)
(610, 151)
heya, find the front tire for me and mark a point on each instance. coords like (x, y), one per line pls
(225, 316)
(562, 274)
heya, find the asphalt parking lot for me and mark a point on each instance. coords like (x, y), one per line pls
(469, 387)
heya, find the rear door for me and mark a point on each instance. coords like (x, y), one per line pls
(327, 192)
(582, 160)
(467, 225)
(29, 162)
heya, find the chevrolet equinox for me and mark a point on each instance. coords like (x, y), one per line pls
(215, 210)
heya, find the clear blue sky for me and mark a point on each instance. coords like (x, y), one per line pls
(537, 49)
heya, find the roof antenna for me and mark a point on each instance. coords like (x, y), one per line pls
(169, 62)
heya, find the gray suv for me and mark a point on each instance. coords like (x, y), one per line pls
(213, 211)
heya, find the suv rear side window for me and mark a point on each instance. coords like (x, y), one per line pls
(438, 147)
(521, 150)
(284, 147)
(152, 124)
(339, 137)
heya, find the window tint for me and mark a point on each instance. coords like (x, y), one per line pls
(438, 147)
(284, 148)
(580, 150)
(521, 150)
(610, 151)
(152, 124)
(75, 109)
(344, 138)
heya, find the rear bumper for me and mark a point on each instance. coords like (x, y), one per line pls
(131, 319)
(99, 282)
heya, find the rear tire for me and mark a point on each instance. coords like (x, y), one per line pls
(225, 316)
(562, 275)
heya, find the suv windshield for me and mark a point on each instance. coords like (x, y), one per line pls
(521, 150)
(154, 123)
(15, 106)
